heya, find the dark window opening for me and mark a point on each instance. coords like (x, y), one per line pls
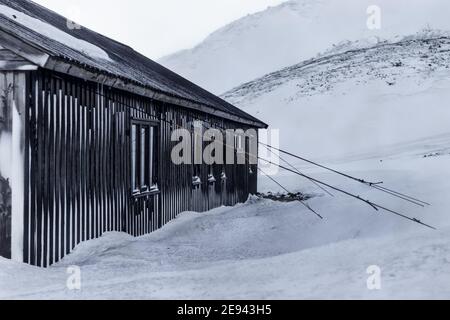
(144, 158)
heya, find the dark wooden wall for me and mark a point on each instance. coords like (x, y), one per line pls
(78, 176)
(5, 218)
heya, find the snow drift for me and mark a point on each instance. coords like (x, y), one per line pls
(268, 250)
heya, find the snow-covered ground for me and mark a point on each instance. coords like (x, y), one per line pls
(264, 249)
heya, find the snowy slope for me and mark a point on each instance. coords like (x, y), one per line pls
(265, 250)
(358, 100)
(295, 31)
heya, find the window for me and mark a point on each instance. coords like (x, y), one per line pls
(144, 173)
(239, 147)
(197, 152)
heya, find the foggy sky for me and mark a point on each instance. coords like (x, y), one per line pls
(156, 27)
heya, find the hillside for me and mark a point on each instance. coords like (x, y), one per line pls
(357, 100)
(294, 31)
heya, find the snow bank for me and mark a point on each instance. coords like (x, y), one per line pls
(54, 33)
(264, 249)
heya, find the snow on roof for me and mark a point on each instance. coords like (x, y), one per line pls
(51, 32)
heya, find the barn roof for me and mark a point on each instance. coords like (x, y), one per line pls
(46, 38)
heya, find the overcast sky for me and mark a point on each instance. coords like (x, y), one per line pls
(156, 27)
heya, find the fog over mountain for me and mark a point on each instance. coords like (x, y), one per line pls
(295, 31)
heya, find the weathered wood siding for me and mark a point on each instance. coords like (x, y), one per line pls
(5, 218)
(12, 100)
(77, 167)
(9, 61)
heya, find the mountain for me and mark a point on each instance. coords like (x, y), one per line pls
(295, 31)
(356, 99)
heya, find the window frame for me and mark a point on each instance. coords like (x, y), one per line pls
(137, 166)
(197, 168)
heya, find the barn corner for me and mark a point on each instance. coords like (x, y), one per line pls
(12, 95)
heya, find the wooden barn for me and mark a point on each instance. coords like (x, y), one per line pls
(85, 138)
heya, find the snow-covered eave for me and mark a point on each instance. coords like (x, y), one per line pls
(31, 53)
